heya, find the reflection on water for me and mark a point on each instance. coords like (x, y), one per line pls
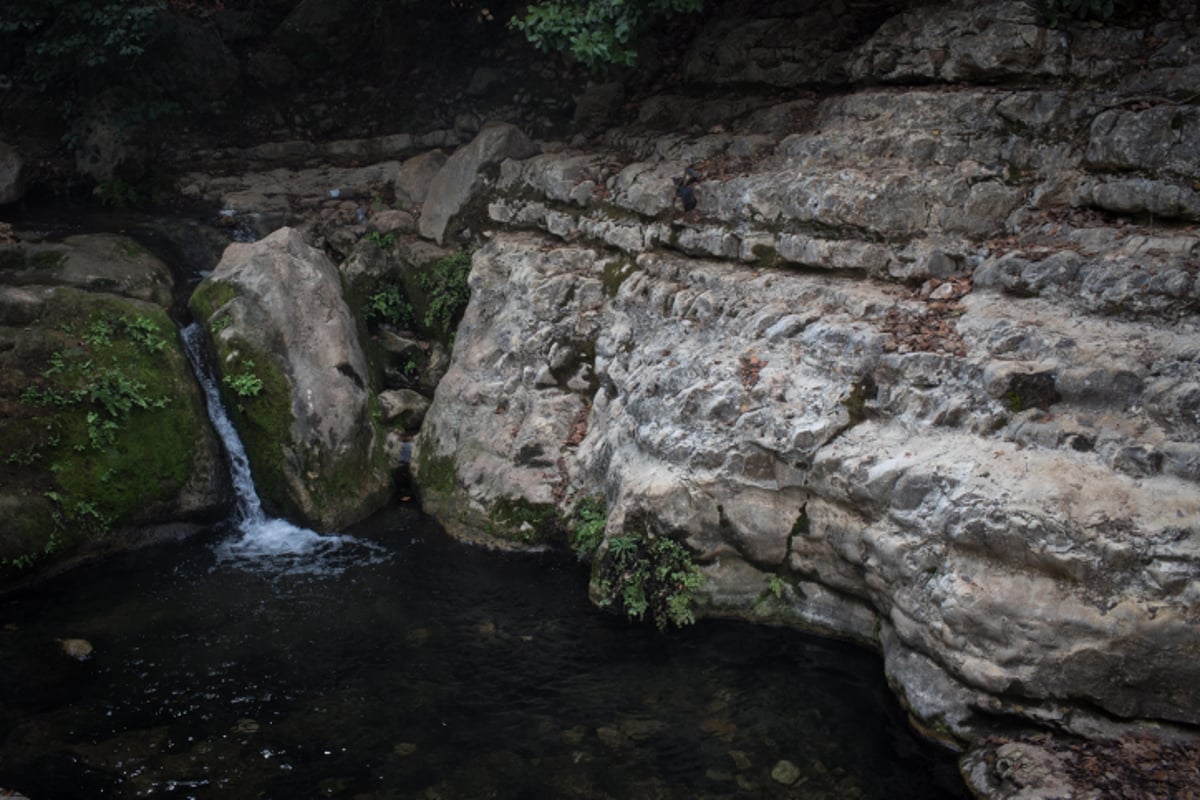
(394, 663)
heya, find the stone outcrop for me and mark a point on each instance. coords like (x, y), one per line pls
(12, 174)
(919, 368)
(460, 176)
(294, 372)
(104, 439)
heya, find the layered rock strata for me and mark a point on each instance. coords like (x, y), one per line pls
(928, 356)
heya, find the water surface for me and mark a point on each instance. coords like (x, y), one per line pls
(395, 663)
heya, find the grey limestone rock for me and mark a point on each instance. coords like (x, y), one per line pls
(285, 321)
(1022, 558)
(459, 177)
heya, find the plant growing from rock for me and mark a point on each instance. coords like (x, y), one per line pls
(445, 284)
(588, 524)
(389, 304)
(640, 573)
(245, 383)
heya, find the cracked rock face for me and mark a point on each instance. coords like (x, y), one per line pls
(760, 415)
(909, 354)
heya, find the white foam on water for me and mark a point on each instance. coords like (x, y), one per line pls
(261, 543)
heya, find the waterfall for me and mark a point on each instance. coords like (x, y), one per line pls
(266, 543)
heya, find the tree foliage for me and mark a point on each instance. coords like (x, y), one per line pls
(597, 32)
(1056, 11)
(55, 40)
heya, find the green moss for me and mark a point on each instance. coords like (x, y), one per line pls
(102, 431)
(436, 473)
(209, 296)
(263, 420)
(615, 273)
(519, 520)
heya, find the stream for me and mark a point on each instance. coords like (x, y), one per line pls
(262, 660)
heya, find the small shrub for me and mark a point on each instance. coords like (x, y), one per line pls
(587, 530)
(639, 573)
(383, 241)
(389, 304)
(245, 383)
(445, 283)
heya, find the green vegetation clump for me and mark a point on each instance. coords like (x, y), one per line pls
(587, 528)
(245, 383)
(640, 573)
(389, 304)
(520, 520)
(100, 425)
(444, 283)
(597, 32)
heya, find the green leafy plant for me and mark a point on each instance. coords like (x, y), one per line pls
(640, 573)
(389, 304)
(384, 241)
(597, 32)
(445, 283)
(588, 524)
(244, 383)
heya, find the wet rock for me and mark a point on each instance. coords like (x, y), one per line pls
(277, 314)
(403, 407)
(99, 262)
(12, 174)
(415, 177)
(785, 772)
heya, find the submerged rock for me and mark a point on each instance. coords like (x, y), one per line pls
(78, 649)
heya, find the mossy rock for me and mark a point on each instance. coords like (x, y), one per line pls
(104, 427)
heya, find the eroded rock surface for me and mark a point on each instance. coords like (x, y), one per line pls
(920, 354)
(293, 369)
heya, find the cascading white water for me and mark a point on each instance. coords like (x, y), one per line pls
(266, 543)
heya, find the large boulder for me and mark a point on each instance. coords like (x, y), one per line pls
(106, 262)
(295, 376)
(104, 437)
(1004, 506)
(465, 171)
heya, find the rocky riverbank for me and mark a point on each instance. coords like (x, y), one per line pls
(891, 331)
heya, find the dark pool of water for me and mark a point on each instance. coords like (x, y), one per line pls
(404, 665)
